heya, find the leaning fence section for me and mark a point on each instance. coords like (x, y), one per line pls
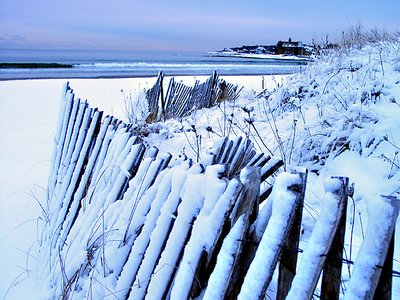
(180, 100)
(126, 222)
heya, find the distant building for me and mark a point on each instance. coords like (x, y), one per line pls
(289, 47)
(257, 49)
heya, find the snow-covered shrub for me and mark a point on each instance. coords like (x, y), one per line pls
(136, 107)
(334, 105)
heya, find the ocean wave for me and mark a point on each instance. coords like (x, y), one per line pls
(177, 68)
(171, 65)
(149, 69)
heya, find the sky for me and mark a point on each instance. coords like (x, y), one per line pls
(204, 25)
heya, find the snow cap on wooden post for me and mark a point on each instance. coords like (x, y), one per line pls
(260, 273)
(384, 289)
(318, 246)
(382, 216)
(246, 208)
(332, 270)
(288, 259)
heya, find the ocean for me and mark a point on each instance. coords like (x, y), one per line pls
(126, 64)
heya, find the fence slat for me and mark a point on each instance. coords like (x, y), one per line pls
(84, 182)
(332, 271)
(77, 168)
(194, 268)
(261, 269)
(384, 289)
(219, 280)
(288, 260)
(373, 251)
(246, 208)
(59, 139)
(270, 168)
(162, 255)
(318, 246)
(180, 99)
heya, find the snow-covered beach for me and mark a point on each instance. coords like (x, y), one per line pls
(339, 118)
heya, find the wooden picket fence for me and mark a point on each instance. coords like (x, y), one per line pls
(180, 100)
(126, 222)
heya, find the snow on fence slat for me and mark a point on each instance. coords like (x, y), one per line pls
(75, 168)
(128, 222)
(219, 278)
(206, 231)
(162, 258)
(59, 139)
(368, 266)
(288, 258)
(262, 267)
(162, 198)
(314, 255)
(332, 269)
(246, 208)
(79, 194)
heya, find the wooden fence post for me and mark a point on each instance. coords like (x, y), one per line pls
(320, 242)
(213, 87)
(288, 260)
(384, 289)
(373, 264)
(332, 270)
(260, 272)
(246, 206)
(162, 100)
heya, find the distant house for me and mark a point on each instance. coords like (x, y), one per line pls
(289, 47)
(282, 47)
(256, 49)
(260, 50)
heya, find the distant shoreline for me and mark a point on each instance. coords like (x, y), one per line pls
(35, 66)
(277, 57)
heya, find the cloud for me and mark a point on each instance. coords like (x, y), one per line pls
(11, 38)
(191, 25)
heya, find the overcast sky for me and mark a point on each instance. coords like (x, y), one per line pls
(200, 25)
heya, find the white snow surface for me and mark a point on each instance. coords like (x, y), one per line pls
(261, 268)
(200, 190)
(338, 117)
(205, 231)
(318, 244)
(219, 277)
(380, 215)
